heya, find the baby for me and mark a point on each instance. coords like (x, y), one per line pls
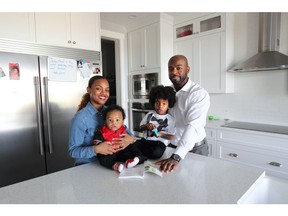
(114, 127)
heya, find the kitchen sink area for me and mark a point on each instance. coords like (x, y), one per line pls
(270, 190)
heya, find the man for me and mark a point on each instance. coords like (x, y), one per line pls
(189, 111)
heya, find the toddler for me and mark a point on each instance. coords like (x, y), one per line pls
(158, 126)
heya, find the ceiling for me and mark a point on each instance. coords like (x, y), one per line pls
(122, 18)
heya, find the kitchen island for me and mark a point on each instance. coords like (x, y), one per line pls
(198, 180)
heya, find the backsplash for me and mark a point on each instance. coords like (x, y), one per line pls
(259, 97)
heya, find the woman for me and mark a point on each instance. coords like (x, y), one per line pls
(88, 119)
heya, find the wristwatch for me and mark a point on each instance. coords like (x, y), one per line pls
(176, 157)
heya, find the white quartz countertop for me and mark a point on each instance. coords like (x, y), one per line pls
(199, 179)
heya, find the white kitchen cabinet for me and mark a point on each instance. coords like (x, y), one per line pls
(150, 47)
(144, 48)
(76, 30)
(211, 139)
(210, 23)
(209, 55)
(17, 26)
(260, 149)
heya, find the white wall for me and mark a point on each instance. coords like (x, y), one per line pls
(259, 96)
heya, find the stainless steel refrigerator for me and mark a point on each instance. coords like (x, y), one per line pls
(36, 111)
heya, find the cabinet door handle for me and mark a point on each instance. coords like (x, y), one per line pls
(69, 41)
(74, 42)
(275, 164)
(233, 155)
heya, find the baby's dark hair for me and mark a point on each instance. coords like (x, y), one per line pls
(162, 92)
(112, 108)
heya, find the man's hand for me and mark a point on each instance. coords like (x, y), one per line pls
(168, 165)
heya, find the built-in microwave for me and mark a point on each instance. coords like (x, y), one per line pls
(142, 84)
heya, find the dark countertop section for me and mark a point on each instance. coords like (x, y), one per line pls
(257, 127)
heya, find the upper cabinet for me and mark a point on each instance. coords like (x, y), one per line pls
(150, 47)
(17, 26)
(204, 25)
(76, 30)
(144, 47)
(207, 42)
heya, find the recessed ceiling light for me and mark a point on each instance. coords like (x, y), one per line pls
(132, 16)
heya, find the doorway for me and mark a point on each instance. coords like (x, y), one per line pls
(121, 72)
(109, 68)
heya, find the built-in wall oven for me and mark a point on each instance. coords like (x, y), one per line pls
(142, 84)
(139, 110)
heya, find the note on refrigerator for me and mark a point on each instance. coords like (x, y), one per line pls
(63, 70)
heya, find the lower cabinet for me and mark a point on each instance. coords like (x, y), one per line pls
(259, 149)
(267, 151)
(211, 139)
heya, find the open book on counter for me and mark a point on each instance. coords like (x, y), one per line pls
(140, 170)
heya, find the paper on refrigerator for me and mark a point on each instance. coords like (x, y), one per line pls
(63, 70)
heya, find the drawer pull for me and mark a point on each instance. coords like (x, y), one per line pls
(275, 164)
(233, 155)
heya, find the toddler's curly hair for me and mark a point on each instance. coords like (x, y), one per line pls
(162, 92)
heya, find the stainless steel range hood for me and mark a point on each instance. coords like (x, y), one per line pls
(268, 57)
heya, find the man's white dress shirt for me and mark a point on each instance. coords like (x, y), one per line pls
(190, 113)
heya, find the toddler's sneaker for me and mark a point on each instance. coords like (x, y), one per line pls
(118, 167)
(132, 162)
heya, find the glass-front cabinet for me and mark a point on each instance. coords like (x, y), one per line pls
(206, 24)
(184, 31)
(210, 24)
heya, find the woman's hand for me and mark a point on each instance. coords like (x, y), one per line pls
(124, 141)
(105, 148)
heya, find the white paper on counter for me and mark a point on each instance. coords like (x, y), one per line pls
(139, 170)
(135, 172)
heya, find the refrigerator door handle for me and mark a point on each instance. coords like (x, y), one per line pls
(45, 81)
(38, 112)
